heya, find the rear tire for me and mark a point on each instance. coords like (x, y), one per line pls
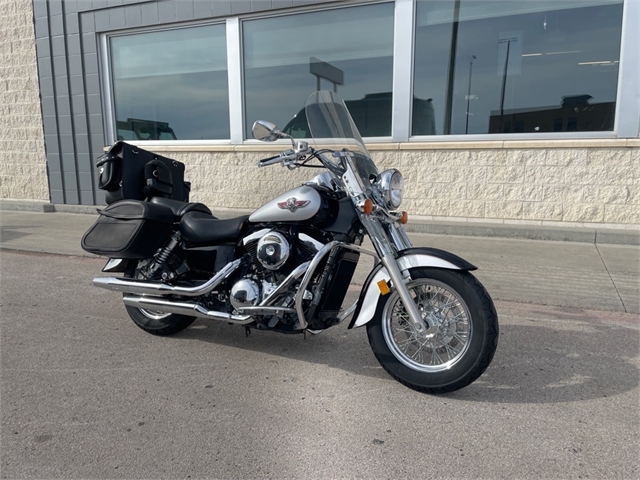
(464, 342)
(157, 323)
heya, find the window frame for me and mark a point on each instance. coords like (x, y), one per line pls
(626, 122)
(106, 79)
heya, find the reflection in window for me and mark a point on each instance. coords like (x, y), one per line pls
(349, 50)
(490, 66)
(171, 85)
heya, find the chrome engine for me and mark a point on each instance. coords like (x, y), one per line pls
(275, 254)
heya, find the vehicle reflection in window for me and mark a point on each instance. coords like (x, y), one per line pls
(137, 129)
(372, 116)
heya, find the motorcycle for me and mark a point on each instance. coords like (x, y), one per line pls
(287, 266)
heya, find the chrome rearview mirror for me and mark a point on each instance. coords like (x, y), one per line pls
(266, 131)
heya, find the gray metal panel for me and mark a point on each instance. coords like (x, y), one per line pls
(202, 9)
(64, 124)
(86, 197)
(80, 127)
(71, 6)
(43, 50)
(92, 83)
(133, 16)
(184, 10)
(48, 105)
(42, 27)
(40, 9)
(53, 162)
(221, 8)
(89, 43)
(57, 196)
(77, 85)
(50, 125)
(166, 12)
(57, 46)
(64, 104)
(46, 86)
(149, 13)
(74, 64)
(82, 143)
(73, 44)
(116, 19)
(101, 20)
(71, 22)
(78, 106)
(60, 65)
(240, 6)
(55, 7)
(56, 25)
(91, 63)
(44, 67)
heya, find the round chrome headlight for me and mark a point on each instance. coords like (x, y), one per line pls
(391, 186)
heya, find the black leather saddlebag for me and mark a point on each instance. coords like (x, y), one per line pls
(129, 229)
(130, 172)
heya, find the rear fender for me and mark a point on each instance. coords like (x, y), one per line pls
(117, 265)
(407, 259)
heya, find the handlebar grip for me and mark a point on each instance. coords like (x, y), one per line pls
(268, 161)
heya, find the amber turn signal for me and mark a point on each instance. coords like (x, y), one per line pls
(367, 207)
(404, 218)
(384, 287)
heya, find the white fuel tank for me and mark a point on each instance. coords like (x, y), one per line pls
(296, 205)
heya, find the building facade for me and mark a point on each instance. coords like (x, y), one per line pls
(517, 111)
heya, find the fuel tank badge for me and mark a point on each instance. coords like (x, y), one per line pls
(292, 204)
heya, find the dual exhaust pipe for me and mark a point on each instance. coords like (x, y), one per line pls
(131, 287)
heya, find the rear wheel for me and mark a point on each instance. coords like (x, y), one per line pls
(158, 323)
(151, 321)
(462, 332)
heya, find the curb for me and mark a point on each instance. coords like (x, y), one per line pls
(465, 229)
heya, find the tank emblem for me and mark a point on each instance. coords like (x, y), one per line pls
(292, 204)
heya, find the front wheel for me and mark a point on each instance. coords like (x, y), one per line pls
(462, 332)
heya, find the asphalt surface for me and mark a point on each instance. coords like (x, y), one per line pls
(86, 394)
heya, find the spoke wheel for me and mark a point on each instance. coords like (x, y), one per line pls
(461, 336)
(442, 309)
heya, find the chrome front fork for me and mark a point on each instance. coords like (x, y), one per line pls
(388, 259)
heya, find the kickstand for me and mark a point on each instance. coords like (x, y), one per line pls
(304, 334)
(247, 331)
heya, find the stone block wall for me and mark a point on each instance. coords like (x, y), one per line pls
(585, 183)
(23, 171)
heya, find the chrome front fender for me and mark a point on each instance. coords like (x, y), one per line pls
(407, 259)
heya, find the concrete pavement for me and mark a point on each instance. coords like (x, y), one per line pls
(576, 274)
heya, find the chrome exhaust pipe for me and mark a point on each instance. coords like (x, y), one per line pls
(184, 308)
(130, 285)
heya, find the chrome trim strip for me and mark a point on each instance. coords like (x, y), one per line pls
(348, 312)
(150, 288)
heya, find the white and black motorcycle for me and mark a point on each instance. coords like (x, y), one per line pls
(288, 265)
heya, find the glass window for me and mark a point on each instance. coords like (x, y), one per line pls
(171, 85)
(349, 50)
(488, 66)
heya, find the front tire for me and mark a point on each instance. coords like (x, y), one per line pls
(457, 351)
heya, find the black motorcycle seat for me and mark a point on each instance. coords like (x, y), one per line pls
(198, 227)
(180, 208)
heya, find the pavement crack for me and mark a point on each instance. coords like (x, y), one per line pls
(595, 244)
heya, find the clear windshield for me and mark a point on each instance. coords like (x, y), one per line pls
(332, 127)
